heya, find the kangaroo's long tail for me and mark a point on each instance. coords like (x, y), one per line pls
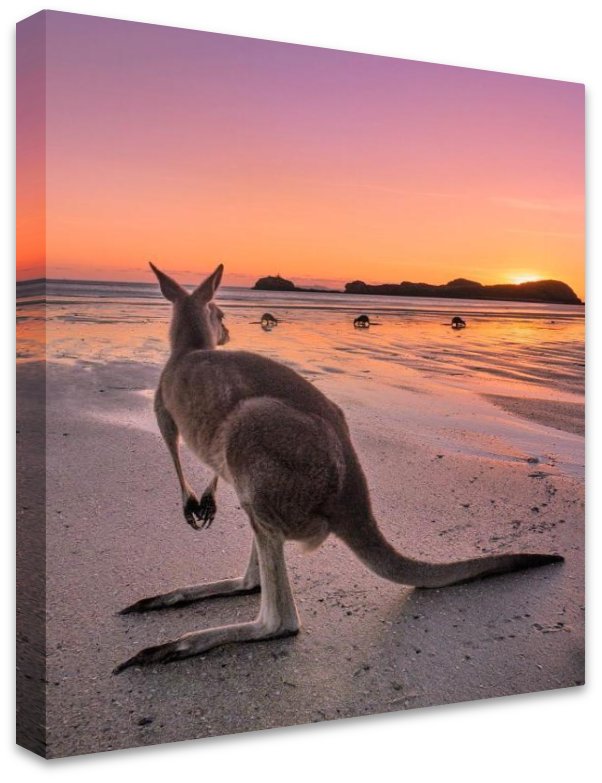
(372, 548)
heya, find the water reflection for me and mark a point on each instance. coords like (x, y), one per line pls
(510, 349)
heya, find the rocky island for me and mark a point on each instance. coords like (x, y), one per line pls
(274, 283)
(550, 291)
(536, 291)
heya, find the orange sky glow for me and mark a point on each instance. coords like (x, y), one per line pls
(189, 148)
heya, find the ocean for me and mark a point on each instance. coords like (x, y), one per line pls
(515, 348)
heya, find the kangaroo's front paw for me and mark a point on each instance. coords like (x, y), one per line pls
(192, 511)
(207, 509)
(202, 511)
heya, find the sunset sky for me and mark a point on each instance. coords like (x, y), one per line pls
(189, 148)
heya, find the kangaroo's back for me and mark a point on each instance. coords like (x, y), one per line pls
(203, 388)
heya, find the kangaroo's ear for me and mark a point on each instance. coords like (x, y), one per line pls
(169, 288)
(206, 291)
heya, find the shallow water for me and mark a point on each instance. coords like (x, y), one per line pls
(512, 348)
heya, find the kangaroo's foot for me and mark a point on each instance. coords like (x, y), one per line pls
(201, 641)
(242, 585)
(277, 615)
(187, 595)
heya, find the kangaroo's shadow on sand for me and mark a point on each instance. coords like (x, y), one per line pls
(497, 636)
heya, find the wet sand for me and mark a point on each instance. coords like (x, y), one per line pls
(567, 416)
(451, 477)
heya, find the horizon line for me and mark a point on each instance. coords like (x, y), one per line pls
(261, 277)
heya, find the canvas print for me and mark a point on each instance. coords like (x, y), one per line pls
(300, 427)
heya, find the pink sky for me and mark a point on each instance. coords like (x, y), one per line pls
(190, 148)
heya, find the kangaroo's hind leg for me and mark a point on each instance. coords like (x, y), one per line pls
(248, 583)
(277, 615)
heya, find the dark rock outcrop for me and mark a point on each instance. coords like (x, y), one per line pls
(537, 291)
(276, 283)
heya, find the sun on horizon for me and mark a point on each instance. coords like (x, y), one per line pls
(524, 277)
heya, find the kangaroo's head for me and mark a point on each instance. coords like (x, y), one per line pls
(196, 321)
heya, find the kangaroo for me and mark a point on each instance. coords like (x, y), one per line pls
(361, 322)
(286, 450)
(267, 319)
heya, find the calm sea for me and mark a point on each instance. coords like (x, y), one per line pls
(507, 347)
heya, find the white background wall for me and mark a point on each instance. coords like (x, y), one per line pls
(550, 736)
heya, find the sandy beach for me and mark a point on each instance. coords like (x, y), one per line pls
(452, 475)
